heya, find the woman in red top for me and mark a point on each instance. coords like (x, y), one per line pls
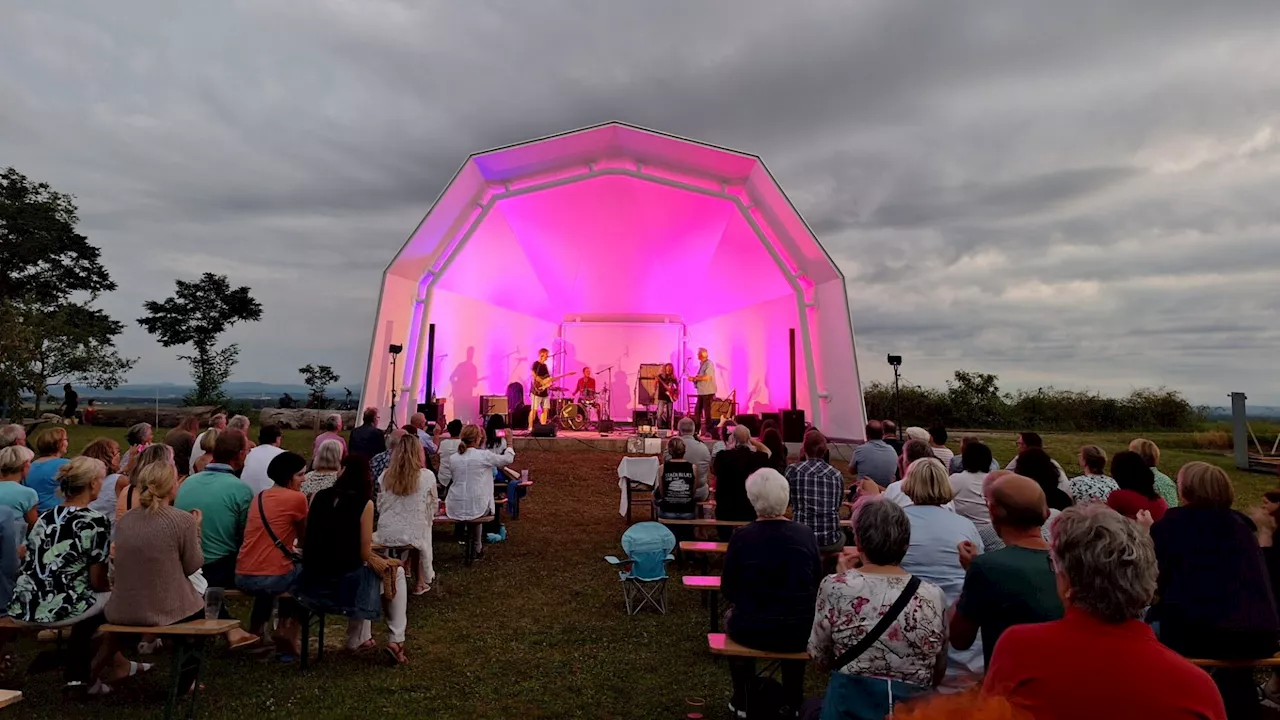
(1137, 487)
(267, 564)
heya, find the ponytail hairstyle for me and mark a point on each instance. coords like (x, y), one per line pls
(472, 437)
(157, 454)
(157, 481)
(78, 475)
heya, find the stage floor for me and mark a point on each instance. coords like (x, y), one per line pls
(617, 441)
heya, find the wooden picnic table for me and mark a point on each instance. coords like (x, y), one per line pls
(709, 584)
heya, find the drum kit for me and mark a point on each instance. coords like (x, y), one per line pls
(574, 415)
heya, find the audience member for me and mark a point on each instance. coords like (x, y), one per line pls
(732, 467)
(911, 452)
(127, 497)
(933, 555)
(341, 575)
(1137, 487)
(325, 465)
(955, 466)
(696, 452)
(771, 573)
(975, 464)
(183, 443)
(217, 423)
(448, 448)
(11, 435)
(406, 505)
(332, 431)
(1013, 585)
(471, 494)
(875, 458)
(772, 439)
(15, 462)
(157, 547)
(137, 438)
(674, 491)
(191, 424)
(12, 551)
(419, 423)
(1214, 597)
(90, 414)
(50, 446)
(242, 424)
(817, 489)
(1150, 453)
(890, 429)
(938, 445)
(909, 655)
(1036, 464)
(724, 439)
(267, 564)
(1033, 441)
(367, 439)
(204, 456)
(223, 501)
(259, 459)
(1100, 660)
(1095, 485)
(106, 451)
(382, 460)
(63, 581)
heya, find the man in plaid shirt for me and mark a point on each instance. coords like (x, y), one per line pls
(817, 490)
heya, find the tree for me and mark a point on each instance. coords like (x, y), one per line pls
(318, 378)
(196, 315)
(50, 278)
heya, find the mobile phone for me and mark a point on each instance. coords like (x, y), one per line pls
(502, 433)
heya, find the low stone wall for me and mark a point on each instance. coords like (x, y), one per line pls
(169, 415)
(303, 418)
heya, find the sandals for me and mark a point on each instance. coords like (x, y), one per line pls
(395, 651)
(421, 590)
(100, 688)
(366, 645)
(245, 641)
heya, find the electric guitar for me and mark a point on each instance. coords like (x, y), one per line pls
(540, 384)
(673, 388)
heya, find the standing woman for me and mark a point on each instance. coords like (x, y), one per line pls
(51, 445)
(772, 439)
(406, 505)
(107, 451)
(471, 495)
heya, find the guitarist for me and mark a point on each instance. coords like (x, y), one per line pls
(539, 389)
(668, 387)
(705, 384)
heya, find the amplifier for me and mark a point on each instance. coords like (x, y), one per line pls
(793, 426)
(723, 408)
(752, 421)
(493, 405)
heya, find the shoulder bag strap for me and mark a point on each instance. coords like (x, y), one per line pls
(886, 620)
(128, 500)
(271, 533)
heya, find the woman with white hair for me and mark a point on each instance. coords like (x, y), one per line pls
(15, 461)
(771, 574)
(241, 423)
(326, 464)
(332, 431)
(1100, 659)
(934, 554)
(138, 438)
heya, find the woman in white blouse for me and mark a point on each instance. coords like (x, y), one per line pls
(406, 506)
(471, 494)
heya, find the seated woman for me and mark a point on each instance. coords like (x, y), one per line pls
(107, 451)
(1150, 453)
(1094, 485)
(50, 447)
(156, 548)
(909, 656)
(63, 581)
(1137, 487)
(406, 506)
(182, 443)
(129, 496)
(771, 574)
(673, 494)
(204, 453)
(724, 440)
(325, 467)
(1036, 464)
(772, 439)
(471, 495)
(137, 438)
(1214, 595)
(15, 461)
(267, 565)
(341, 575)
(975, 464)
(934, 555)
(911, 452)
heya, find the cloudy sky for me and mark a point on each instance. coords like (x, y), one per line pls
(1081, 194)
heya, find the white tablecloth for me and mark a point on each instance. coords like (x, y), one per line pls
(635, 469)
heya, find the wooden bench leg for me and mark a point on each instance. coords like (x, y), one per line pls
(200, 650)
(184, 649)
(713, 602)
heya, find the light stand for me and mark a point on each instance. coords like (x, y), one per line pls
(896, 362)
(395, 351)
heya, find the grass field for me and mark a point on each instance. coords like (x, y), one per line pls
(535, 630)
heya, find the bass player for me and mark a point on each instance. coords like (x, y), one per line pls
(668, 387)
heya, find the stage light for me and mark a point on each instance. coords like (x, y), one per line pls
(395, 349)
(895, 360)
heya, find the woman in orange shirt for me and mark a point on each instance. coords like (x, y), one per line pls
(267, 565)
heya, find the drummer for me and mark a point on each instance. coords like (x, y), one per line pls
(585, 392)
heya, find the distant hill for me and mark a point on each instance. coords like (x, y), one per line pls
(239, 390)
(1258, 412)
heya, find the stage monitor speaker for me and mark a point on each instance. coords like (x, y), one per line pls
(647, 384)
(793, 426)
(432, 411)
(605, 426)
(641, 417)
(751, 420)
(775, 417)
(493, 405)
(544, 431)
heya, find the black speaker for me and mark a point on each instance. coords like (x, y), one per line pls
(751, 420)
(544, 431)
(520, 418)
(775, 417)
(792, 426)
(605, 426)
(641, 417)
(433, 411)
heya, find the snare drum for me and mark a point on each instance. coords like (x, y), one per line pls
(573, 416)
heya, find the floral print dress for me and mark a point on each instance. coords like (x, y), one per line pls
(53, 586)
(1092, 488)
(849, 606)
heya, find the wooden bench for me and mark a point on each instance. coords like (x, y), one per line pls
(469, 546)
(308, 619)
(698, 546)
(9, 697)
(198, 633)
(712, 522)
(710, 585)
(1270, 662)
(720, 644)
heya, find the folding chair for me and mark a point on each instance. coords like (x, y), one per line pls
(648, 546)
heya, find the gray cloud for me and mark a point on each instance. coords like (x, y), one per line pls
(1076, 193)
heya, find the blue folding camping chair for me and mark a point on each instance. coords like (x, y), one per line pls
(648, 546)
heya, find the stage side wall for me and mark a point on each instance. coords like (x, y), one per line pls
(837, 364)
